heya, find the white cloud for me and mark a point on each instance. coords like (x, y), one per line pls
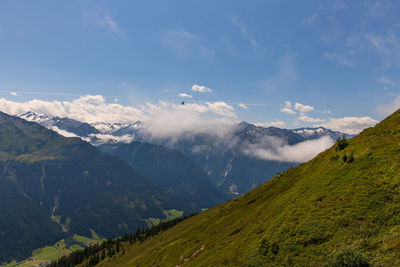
(244, 106)
(201, 89)
(386, 80)
(14, 93)
(288, 111)
(89, 108)
(308, 119)
(100, 17)
(288, 108)
(388, 109)
(349, 125)
(340, 59)
(243, 30)
(221, 108)
(303, 108)
(63, 132)
(175, 122)
(107, 138)
(184, 95)
(276, 123)
(273, 148)
(160, 120)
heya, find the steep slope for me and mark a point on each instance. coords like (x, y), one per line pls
(171, 170)
(52, 186)
(342, 205)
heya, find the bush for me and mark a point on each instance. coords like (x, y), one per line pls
(342, 143)
(349, 258)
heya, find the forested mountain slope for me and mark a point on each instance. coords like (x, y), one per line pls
(172, 171)
(52, 186)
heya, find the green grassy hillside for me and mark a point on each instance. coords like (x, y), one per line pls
(342, 205)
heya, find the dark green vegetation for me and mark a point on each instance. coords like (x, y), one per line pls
(92, 255)
(325, 212)
(52, 187)
(171, 170)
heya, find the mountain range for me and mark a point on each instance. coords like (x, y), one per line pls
(227, 160)
(339, 209)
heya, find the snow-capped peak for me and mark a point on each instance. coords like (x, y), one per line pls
(33, 116)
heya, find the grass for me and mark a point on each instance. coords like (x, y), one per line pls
(50, 252)
(169, 215)
(81, 239)
(322, 211)
(56, 251)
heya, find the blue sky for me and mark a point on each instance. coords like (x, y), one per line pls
(339, 58)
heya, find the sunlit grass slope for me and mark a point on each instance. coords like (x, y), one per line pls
(310, 215)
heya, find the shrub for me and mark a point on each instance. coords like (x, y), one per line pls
(341, 143)
(349, 258)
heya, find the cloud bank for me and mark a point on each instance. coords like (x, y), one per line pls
(273, 148)
(89, 108)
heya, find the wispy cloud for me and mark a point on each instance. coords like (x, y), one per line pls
(385, 44)
(244, 32)
(386, 80)
(100, 17)
(314, 16)
(14, 93)
(339, 59)
(182, 41)
(285, 76)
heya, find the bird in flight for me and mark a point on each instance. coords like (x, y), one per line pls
(183, 103)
